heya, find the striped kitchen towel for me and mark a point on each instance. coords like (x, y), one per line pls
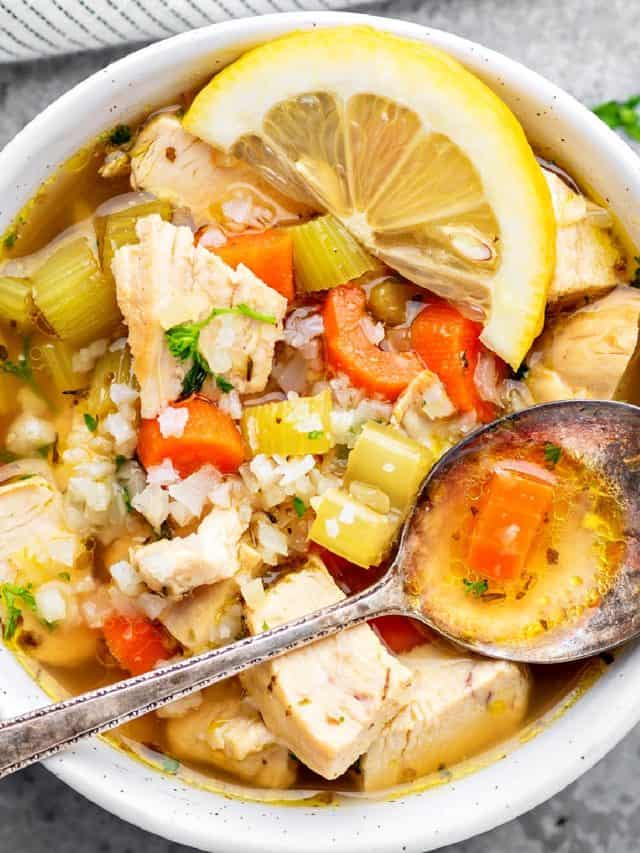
(33, 28)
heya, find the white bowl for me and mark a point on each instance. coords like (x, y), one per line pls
(560, 128)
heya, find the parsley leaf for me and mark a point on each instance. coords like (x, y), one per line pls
(9, 240)
(621, 115)
(223, 384)
(315, 433)
(299, 506)
(265, 626)
(120, 461)
(120, 135)
(126, 497)
(64, 576)
(11, 595)
(195, 376)
(476, 588)
(91, 422)
(22, 367)
(552, 453)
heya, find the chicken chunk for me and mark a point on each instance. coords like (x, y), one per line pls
(458, 705)
(585, 353)
(227, 732)
(174, 165)
(204, 557)
(588, 260)
(164, 281)
(328, 702)
(31, 518)
(209, 617)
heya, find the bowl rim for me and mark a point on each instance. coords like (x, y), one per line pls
(460, 809)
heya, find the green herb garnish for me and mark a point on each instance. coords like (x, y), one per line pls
(299, 506)
(120, 135)
(120, 461)
(64, 576)
(22, 367)
(7, 456)
(11, 595)
(45, 450)
(621, 115)
(10, 239)
(476, 588)
(315, 434)
(223, 384)
(170, 765)
(91, 422)
(183, 341)
(552, 453)
(265, 626)
(126, 497)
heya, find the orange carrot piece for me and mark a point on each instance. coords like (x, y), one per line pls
(400, 633)
(511, 512)
(210, 436)
(350, 350)
(269, 255)
(136, 642)
(449, 345)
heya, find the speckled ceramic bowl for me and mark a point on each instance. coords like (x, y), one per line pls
(533, 770)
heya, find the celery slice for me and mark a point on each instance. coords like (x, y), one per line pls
(385, 458)
(113, 367)
(325, 255)
(119, 229)
(16, 304)
(55, 357)
(290, 428)
(73, 296)
(352, 530)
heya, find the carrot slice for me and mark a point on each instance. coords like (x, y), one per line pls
(136, 642)
(449, 345)
(400, 633)
(269, 255)
(350, 350)
(512, 510)
(210, 436)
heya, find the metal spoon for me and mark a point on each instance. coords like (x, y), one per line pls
(606, 435)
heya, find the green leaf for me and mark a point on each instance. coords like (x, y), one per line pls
(7, 456)
(552, 453)
(64, 576)
(120, 461)
(265, 626)
(223, 384)
(621, 115)
(126, 497)
(476, 588)
(120, 135)
(91, 422)
(170, 765)
(195, 376)
(45, 450)
(11, 595)
(9, 240)
(299, 506)
(315, 434)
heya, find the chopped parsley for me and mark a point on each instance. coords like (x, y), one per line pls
(552, 453)
(315, 434)
(621, 115)
(91, 422)
(9, 240)
(120, 461)
(11, 596)
(22, 367)
(45, 450)
(126, 497)
(120, 135)
(299, 506)
(223, 384)
(183, 341)
(476, 588)
(265, 626)
(64, 576)
(7, 456)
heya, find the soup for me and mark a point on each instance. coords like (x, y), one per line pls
(233, 346)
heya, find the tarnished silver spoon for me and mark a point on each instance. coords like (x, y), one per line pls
(606, 435)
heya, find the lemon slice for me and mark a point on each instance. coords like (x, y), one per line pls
(422, 162)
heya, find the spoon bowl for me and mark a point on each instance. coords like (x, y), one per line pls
(604, 436)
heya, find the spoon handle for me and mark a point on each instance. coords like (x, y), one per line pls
(42, 733)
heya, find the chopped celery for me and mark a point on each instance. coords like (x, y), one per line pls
(119, 229)
(291, 428)
(55, 358)
(73, 296)
(113, 367)
(385, 458)
(326, 255)
(15, 300)
(352, 530)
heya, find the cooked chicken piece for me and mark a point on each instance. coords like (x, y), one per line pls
(204, 557)
(585, 353)
(172, 164)
(31, 518)
(588, 260)
(227, 732)
(426, 414)
(211, 616)
(458, 705)
(328, 702)
(165, 280)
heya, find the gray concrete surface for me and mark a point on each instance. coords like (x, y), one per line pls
(589, 48)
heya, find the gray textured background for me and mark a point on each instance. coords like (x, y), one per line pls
(590, 48)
